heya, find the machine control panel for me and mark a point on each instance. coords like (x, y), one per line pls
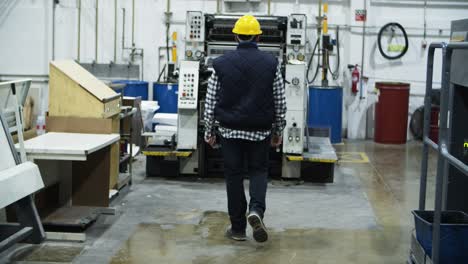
(194, 35)
(195, 26)
(293, 137)
(296, 100)
(188, 85)
(295, 86)
(296, 37)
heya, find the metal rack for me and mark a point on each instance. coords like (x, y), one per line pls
(12, 97)
(126, 178)
(444, 158)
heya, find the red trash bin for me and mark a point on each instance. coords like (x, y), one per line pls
(391, 113)
(434, 132)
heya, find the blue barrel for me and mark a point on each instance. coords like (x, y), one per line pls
(326, 110)
(167, 95)
(135, 88)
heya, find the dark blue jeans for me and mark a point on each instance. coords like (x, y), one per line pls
(245, 158)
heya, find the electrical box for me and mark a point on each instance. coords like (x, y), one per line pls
(187, 121)
(188, 85)
(296, 96)
(194, 35)
(293, 138)
(296, 37)
(296, 103)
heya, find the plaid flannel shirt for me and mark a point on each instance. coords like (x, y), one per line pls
(212, 97)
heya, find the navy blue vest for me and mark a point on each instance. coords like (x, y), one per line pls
(246, 76)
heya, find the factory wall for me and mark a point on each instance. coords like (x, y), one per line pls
(26, 35)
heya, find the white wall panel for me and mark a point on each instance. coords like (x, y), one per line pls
(25, 30)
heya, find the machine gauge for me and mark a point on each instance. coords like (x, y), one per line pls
(295, 81)
(296, 48)
(300, 57)
(198, 54)
(291, 56)
(189, 53)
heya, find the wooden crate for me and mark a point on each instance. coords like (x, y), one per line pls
(75, 92)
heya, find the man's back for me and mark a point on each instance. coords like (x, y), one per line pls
(246, 77)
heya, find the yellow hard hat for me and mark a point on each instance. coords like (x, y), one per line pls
(247, 25)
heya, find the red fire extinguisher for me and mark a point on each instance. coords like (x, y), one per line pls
(355, 75)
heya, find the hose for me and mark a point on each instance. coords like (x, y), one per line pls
(167, 46)
(309, 64)
(336, 74)
(161, 73)
(379, 41)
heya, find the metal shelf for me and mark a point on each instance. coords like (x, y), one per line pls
(125, 178)
(444, 158)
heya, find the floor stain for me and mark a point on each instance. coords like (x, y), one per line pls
(205, 243)
(47, 253)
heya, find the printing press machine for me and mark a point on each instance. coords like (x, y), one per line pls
(182, 151)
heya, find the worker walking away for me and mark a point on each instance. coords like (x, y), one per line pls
(246, 96)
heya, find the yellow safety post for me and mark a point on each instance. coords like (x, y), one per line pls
(174, 47)
(325, 18)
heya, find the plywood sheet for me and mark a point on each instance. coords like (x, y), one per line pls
(85, 79)
(114, 165)
(80, 125)
(91, 180)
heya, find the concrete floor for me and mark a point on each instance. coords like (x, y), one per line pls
(363, 217)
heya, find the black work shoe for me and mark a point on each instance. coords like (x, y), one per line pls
(260, 233)
(234, 235)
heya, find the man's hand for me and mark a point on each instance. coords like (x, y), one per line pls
(211, 140)
(276, 140)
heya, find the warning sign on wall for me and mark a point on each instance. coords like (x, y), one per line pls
(361, 15)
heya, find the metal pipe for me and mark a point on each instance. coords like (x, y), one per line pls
(269, 7)
(425, 19)
(218, 6)
(320, 11)
(413, 3)
(325, 51)
(142, 65)
(431, 144)
(457, 45)
(23, 75)
(96, 33)
(427, 121)
(446, 55)
(123, 28)
(454, 161)
(363, 50)
(54, 5)
(115, 31)
(133, 23)
(79, 32)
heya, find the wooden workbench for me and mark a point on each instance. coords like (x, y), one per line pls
(89, 155)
